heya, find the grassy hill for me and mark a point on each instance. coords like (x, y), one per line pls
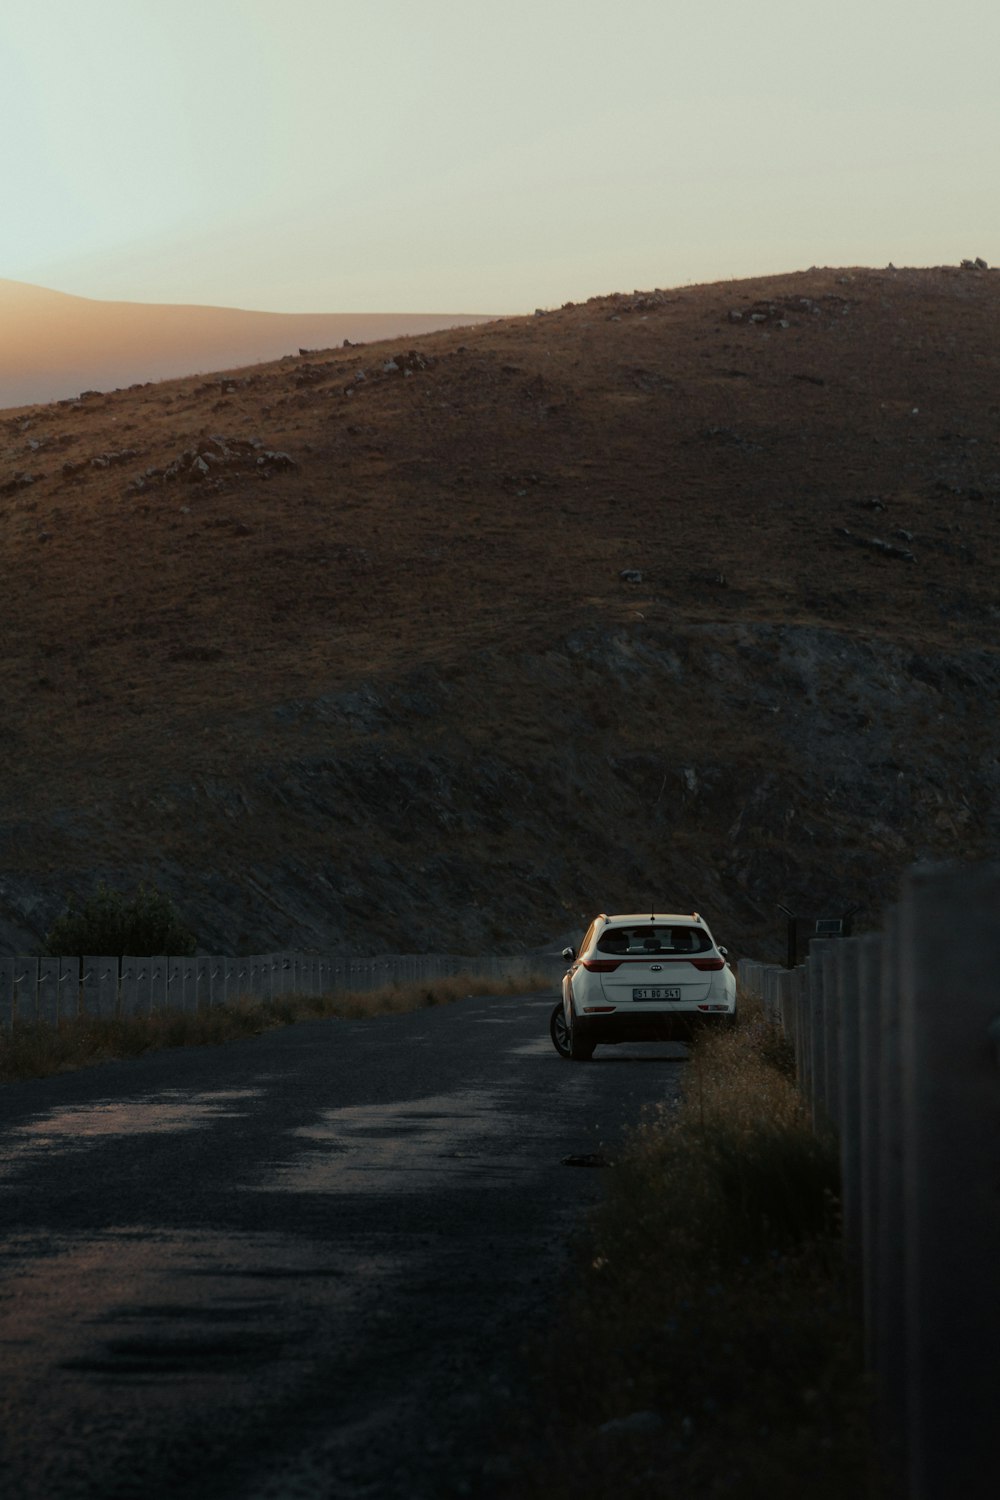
(687, 597)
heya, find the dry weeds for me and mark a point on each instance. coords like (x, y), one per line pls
(707, 1345)
(33, 1050)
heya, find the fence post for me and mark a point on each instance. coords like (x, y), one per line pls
(68, 988)
(869, 1068)
(130, 1001)
(158, 983)
(218, 969)
(786, 1003)
(100, 985)
(831, 1031)
(819, 1040)
(203, 968)
(847, 954)
(890, 1353)
(6, 993)
(812, 1032)
(174, 985)
(803, 1041)
(25, 987)
(187, 999)
(47, 1001)
(950, 1000)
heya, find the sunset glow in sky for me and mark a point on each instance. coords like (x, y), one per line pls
(487, 155)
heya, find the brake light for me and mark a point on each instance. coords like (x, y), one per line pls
(708, 965)
(602, 965)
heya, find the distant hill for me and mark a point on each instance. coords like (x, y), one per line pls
(683, 596)
(53, 346)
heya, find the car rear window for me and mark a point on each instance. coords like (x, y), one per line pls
(653, 939)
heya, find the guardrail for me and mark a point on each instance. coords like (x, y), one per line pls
(51, 989)
(897, 1050)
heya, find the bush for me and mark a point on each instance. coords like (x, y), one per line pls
(112, 923)
(706, 1345)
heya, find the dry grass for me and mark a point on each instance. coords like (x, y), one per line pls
(707, 1313)
(36, 1050)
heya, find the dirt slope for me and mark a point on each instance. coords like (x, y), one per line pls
(687, 596)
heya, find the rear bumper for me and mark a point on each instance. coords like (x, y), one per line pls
(650, 1026)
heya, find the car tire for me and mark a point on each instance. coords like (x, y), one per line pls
(560, 1032)
(581, 1046)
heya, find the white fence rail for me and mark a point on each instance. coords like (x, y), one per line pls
(51, 989)
(897, 1047)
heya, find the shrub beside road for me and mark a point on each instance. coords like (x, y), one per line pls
(707, 1345)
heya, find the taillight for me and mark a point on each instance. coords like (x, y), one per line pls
(603, 965)
(708, 965)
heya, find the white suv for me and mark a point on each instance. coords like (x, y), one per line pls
(642, 979)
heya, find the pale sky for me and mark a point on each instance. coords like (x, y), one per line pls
(487, 155)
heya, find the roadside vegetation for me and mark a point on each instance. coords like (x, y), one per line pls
(34, 1050)
(706, 1345)
(113, 922)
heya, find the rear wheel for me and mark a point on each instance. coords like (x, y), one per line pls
(560, 1032)
(581, 1049)
(567, 1040)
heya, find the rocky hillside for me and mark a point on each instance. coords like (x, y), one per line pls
(685, 597)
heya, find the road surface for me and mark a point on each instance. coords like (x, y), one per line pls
(295, 1266)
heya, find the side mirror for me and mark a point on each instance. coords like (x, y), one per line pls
(569, 954)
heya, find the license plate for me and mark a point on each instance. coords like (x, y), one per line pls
(656, 993)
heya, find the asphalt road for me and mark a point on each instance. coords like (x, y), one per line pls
(297, 1266)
